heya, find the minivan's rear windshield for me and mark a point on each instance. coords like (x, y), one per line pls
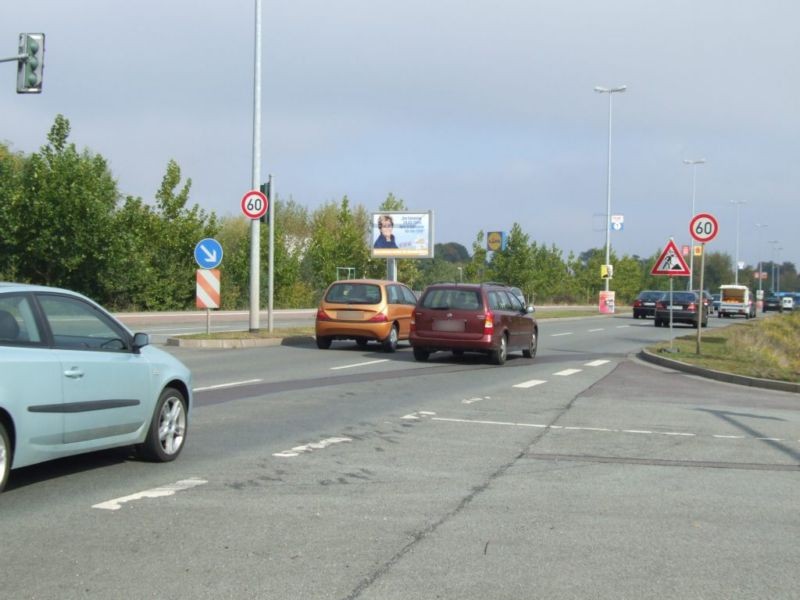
(354, 293)
(446, 299)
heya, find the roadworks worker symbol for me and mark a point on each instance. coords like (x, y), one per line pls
(670, 262)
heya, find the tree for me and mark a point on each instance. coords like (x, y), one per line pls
(63, 230)
(12, 167)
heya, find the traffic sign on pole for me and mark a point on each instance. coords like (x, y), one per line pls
(208, 288)
(254, 204)
(704, 227)
(670, 262)
(208, 253)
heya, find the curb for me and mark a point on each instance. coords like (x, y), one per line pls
(770, 384)
(293, 340)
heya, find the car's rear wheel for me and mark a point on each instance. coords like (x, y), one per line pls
(323, 342)
(530, 351)
(5, 456)
(421, 354)
(498, 356)
(167, 432)
(390, 343)
(458, 353)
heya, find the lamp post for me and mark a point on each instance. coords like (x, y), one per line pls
(610, 92)
(760, 298)
(778, 269)
(694, 163)
(737, 204)
(772, 266)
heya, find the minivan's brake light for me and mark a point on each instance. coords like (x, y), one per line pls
(379, 318)
(323, 316)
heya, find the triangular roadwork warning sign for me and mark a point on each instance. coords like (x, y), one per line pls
(670, 262)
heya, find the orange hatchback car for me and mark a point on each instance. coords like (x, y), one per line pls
(364, 310)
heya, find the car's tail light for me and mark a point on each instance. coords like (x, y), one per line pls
(660, 305)
(323, 316)
(692, 307)
(637, 303)
(379, 318)
(488, 323)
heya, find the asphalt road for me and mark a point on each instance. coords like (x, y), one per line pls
(355, 474)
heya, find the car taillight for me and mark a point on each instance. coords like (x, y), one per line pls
(322, 315)
(488, 323)
(637, 303)
(660, 305)
(692, 307)
(379, 318)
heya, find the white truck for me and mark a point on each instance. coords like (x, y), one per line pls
(736, 300)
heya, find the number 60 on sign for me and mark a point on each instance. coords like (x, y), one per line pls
(703, 227)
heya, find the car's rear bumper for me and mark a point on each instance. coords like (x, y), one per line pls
(483, 343)
(348, 330)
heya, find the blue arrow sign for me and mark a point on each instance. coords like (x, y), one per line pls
(208, 253)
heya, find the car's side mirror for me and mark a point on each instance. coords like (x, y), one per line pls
(139, 341)
(530, 309)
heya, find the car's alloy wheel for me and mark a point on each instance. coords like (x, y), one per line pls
(167, 432)
(5, 457)
(390, 343)
(498, 356)
(530, 352)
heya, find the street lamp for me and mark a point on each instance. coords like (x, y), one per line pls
(760, 297)
(772, 266)
(738, 204)
(694, 163)
(610, 92)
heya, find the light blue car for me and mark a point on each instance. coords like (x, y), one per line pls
(73, 380)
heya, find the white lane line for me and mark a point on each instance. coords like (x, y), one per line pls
(362, 364)
(474, 400)
(622, 326)
(530, 383)
(601, 429)
(593, 330)
(159, 492)
(320, 445)
(567, 372)
(416, 416)
(595, 363)
(560, 334)
(226, 385)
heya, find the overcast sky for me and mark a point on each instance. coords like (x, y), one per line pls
(482, 111)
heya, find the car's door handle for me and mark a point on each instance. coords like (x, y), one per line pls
(73, 373)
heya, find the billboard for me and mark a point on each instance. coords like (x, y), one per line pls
(401, 234)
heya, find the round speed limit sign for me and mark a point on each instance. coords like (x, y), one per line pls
(254, 204)
(704, 227)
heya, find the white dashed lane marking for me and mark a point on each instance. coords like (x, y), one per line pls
(606, 430)
(567, 372)
(159, 492)
(593, 330)
(596, 363)
(227, 385)
(361, 364)
(531, 383)
(320, 445)
(560, 334)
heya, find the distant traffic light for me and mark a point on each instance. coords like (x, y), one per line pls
(264, 189)
(30, 65)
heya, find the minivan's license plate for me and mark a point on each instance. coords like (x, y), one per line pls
(441, 325)
(350, 315)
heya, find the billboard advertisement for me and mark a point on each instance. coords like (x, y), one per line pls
(401, 234)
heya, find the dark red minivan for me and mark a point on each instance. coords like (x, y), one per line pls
(468, 317)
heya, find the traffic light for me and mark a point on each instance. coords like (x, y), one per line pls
(264, 189)
(30, 65)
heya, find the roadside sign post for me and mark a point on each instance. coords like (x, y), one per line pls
(208, 256)
(703, 228)
(670, 262)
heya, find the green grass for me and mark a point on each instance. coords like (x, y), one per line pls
(766, 348)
